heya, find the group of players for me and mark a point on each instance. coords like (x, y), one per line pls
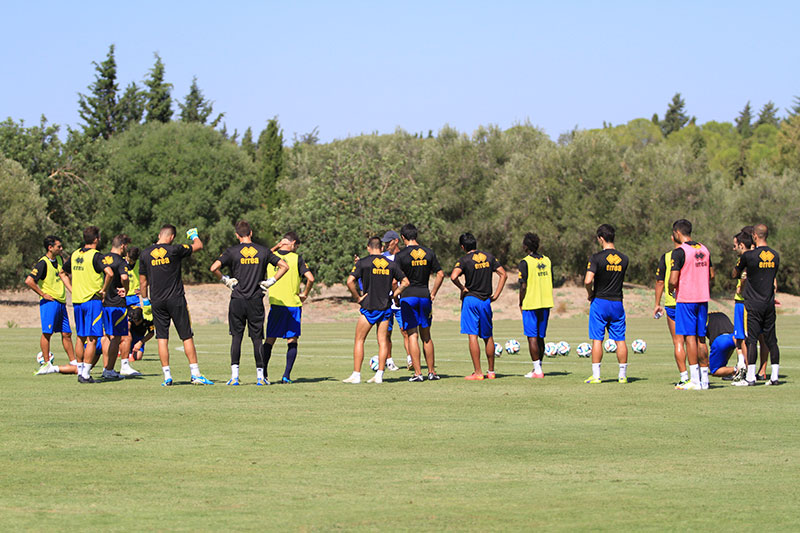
(113, 295)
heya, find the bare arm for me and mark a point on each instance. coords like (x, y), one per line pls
(659, 291)
(197, 245)
(588, 283)
(711, 274)
(437, 284)
(65, 278)
(523, 287)
(309, 283)
(107, 281)
(283, 268)
(500, 284)
(674, 279)
(454, 277)
(143, 287)
(35, 288)
(215, 269)
(351, 284)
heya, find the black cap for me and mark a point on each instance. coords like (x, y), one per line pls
(390, 236)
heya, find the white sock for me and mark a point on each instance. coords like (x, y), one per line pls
(774, 376)
(259, 373)
(623, 370)
(234, 372)
(54, 369)
(704, 376)
(356, 375)
(74, 362)
(751, 372)
(741, 363)
(389, 362)
(80, 368)
(694, 374)
(167, 373)
(379, 374)
(123, 364)
(537, 367)
(194, 368)
(87, 369)
(684, 376)
(596, 370)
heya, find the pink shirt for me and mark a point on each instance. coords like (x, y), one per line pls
(693, 286)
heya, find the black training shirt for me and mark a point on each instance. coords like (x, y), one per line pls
(477, 268)
(248, 264)
(141, 330)
(609, 268)
(761, 265)
(161, 265)
(417, 263)
(119, 266)
(718, 324)
(376, 273)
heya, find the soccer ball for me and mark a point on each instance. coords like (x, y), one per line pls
(512, 346)
(40, 358)
(550, 349)
(563, 348)
(498, 350)
(610, 346)
(584, 349)
(639, 346)
(373, 363)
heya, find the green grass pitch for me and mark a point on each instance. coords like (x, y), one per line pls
(509, 454)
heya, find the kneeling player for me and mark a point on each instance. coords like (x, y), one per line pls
(141, 330)
(722, 341)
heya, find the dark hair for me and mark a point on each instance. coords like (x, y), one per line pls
(682, 226)
(531, 242)
(51, 240)
(468, 241)
(748, 230)
(91, 234)
(137, 314)
(133, 254)
(168, 229)
(744, 238)
(292, 236)
(374, 242)
(119, 240)
(761, 231)
(125, 238)
(409, 232)
(606, 232)
(243, 228)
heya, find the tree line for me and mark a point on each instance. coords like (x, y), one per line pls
(135, 164)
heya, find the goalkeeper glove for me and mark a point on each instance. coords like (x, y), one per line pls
(229, 282)
(267, 283)
(192, 233)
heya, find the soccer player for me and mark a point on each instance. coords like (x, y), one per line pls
(160, 279)
(690, 282)
(86, 267)
(662, 278)
(476, 300)
(604, 278)
(132, 258)
(535, 299)
(247, 263)
(418, 263)
(391, 246)
(131, 301)
(115, 310)
(141, 330)
(761, 265)
(286, 302)
(376, 273)
(48, 280)
(721, 341)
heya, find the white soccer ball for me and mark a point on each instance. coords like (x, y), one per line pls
(512, 346)
(40, 358)
(584, 349)
(563, 348)
(639, 346)
(550, 349)
(610, 346)
(498, 350)
(373, 363)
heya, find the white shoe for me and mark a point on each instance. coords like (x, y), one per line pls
(688, 385)
(352, 379)
(391, 366)
(46, 368)
(129, 371)
(375, 379)
(111, 374)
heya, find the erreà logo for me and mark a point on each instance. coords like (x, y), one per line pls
(418, 257)
(767, 259)
(614, 263)
(380, 266)
(699, 255)
(249, 256)
(480, 260)
(541, 266)
(107, 260)
(159, 257)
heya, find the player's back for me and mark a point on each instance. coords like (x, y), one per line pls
(161, 265)
(478, 267)
(418, 263)
(609, 275)
(761, 265)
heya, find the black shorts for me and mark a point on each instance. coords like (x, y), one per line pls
(250, 312)
(761, 321)
(175, 310)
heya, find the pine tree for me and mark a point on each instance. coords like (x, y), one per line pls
(675, 118)
(99, 109)
(130, 108)
(744, 122)
(159, 94)
(248, 145)
(195, 108)
(768, 115)
(269, 159)
(795, 109)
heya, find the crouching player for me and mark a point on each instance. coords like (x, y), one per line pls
(48, 280)
(722, 341)
(141, 330)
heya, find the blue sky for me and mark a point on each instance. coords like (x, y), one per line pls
(359, 67)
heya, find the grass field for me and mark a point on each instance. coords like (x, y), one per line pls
(509, 454)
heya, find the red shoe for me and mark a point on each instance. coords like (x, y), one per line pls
(474, 377)
(490, 375)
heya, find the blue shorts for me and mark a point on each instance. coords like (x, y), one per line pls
(376, 317)
(606, 314)
(720, 351)
(739, 321)
(132, 300)
(115, 321)
(395, 315)
(416, 312)
(88, 318)
(534, 322)
(54, 317)
(691, 318)
(670, 312)
(476, 317)
(284, 322)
